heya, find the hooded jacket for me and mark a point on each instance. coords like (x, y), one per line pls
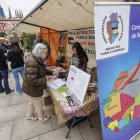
(34, 81)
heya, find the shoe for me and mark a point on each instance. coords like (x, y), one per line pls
(31, 118)
(18, 93)
(45, 119)
(10, 91)
(1, 92)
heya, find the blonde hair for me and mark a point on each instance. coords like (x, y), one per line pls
(40, 50)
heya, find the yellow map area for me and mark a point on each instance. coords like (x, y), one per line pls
(115, 106)
(132, 112)
(112, 125)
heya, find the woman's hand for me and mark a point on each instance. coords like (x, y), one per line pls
(47, 77)
(55, 73)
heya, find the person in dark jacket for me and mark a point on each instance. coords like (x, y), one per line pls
(35, 81)
(4, 70)
(79, 57)
(15, 56)
(40, 40)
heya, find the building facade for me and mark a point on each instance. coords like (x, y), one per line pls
(7, 23)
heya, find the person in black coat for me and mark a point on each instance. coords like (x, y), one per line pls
(15, 56)
(4, 70)
(79, 57)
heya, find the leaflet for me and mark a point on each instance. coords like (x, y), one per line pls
(56, 84)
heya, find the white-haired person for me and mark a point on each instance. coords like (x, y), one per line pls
(34, 83)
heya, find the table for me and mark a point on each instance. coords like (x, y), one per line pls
(64, 112)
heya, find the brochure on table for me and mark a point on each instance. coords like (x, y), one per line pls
(56, 84)
(77, 82)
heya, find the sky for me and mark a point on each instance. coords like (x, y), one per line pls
(25, 5)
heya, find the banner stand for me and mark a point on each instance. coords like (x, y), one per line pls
(117, 39)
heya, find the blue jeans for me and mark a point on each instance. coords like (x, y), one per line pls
(4, 77)
(16, 73)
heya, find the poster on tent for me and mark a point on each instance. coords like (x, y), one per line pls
(87, 40)
(117, 39)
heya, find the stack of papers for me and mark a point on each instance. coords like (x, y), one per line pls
(56, 84)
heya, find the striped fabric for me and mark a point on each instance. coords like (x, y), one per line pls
(64, 112)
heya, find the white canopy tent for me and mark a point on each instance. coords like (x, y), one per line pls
(60, 15)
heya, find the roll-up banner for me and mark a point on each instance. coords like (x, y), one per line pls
(117, 42)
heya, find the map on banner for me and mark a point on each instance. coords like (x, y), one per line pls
(123, 102)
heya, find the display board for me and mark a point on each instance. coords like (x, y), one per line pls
(77, 82)
(117, 39)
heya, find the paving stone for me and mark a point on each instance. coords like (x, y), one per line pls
(16, 99)
(60, 134)
(137, 137)
(55, 124)
(12, 112)
(2, 95)
(26, 129)
(91, 133)
(13, 100)
(36, 138)
(6, 130)
(3, 102)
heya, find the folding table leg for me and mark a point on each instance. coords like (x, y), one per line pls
(70, 127)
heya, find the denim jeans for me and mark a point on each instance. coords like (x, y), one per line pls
(16, 73)
(4, 77)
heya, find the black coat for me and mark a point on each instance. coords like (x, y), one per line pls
(3, 59)
(16, 59)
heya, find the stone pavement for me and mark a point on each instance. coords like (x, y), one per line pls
(14, 126)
